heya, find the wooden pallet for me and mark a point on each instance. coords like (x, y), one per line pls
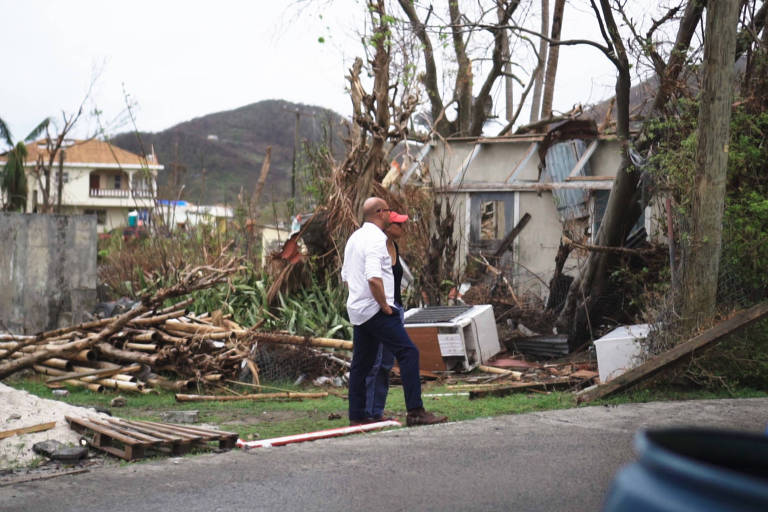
(132, 439)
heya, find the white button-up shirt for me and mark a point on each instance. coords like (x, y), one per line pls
(366, 257)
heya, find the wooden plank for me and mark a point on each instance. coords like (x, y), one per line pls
(198, 431)
(520, 386)
(500, 371)
(124, 429)
(738, 321)
(528, 154)
(583, 160)
(504, 245)
(459, 178)
(584, 374)
(590, 178)
(528, 186)
(26, 430)
(286, 395)
(80, 424)
(164, 429)
(154, 433)
(96, 373)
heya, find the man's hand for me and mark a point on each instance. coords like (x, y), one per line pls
(377, 290)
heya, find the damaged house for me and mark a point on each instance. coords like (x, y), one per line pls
(514, 197)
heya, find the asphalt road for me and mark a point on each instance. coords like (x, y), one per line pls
(550, 461)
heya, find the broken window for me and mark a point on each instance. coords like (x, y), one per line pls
(492, 220)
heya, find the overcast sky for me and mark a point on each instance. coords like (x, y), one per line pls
(179, 60)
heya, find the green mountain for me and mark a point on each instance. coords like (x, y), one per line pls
(216, 155)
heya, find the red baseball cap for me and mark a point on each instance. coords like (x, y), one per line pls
(397, 217)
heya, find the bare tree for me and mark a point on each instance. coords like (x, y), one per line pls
(542, 61)
(46, 160)
(472, 112)
(554, 53)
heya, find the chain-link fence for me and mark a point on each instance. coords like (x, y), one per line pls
(295, 364)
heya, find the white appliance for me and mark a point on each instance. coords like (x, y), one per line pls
(620, 350)
(456, 338)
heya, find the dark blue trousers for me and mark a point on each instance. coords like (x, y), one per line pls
(377, 383)
(388, 331)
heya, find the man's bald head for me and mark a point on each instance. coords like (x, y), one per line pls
(375, 210)
(371, 205)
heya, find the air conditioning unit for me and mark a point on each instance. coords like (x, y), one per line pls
(455, 338)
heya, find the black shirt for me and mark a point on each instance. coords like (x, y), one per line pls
(397, 271)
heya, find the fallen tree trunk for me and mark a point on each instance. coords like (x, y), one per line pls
(290, 339)
(127, 355)
(108, 372)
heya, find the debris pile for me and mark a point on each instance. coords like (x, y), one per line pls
(133, 350)
(171, 340)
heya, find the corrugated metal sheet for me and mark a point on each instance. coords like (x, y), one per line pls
(561, 159)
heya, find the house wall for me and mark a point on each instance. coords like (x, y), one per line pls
(444, 161)
(606, 159)
(495, 162)
(536, 245)
(47, 270)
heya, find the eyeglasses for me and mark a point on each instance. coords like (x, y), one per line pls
(383, 210)
(398, 224)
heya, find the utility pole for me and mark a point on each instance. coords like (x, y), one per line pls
(298, 112)
(701, 254)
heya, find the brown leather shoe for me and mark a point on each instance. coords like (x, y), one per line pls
(418, 417)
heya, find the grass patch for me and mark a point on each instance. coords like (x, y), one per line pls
(261, 420)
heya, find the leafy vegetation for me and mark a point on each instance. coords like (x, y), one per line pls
(743, 359)
(13, 179)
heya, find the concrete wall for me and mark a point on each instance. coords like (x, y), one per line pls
(47, 270)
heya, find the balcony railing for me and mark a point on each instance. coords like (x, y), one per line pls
(110, 192)
(143, 193)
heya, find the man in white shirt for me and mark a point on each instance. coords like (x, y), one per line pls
(367, 270)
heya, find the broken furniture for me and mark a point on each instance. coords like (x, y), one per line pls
(132, 440)
(455, 338)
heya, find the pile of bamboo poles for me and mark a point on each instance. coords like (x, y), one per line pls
(200, 349)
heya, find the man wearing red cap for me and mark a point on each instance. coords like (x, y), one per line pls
(367, 270)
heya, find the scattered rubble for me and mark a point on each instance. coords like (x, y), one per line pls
(21, 409)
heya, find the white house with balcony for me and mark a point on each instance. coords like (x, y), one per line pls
(97, 178)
